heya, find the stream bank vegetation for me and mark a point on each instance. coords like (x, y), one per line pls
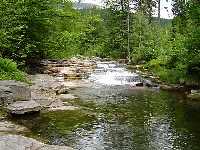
(32, 30)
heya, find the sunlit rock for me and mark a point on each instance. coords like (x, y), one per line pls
(22, 107)
(67, 97)
(17, 142)
(195, 95)
(9, 127)
(19, 91)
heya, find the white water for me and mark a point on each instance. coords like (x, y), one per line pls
(113, 74)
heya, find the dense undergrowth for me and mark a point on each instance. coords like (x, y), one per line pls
(9, 71)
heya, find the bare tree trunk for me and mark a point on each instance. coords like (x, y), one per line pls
(159, 10)
(128, 25)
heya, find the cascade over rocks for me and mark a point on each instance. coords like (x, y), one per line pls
(70, 69)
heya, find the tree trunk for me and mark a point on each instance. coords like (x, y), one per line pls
(128, 26)
(159, 10)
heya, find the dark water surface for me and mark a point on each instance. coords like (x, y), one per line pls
(121, 117)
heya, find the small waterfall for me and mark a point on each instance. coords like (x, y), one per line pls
(112, 74)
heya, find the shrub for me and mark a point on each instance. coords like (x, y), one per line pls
(9, 71)
(193, 68)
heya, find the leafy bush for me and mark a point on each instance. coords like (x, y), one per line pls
(171, 75)
(193, 68)
(9, 71)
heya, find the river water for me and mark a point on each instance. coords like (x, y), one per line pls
(117, 115)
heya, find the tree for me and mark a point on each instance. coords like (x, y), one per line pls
(25, 26)
(159, 5)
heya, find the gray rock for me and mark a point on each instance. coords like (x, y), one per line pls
(61, 90)
(195, 95)
(47, 102)
(9, 127)
(67, 97)
(149, 83)
(50, 103)
(16, 142)
(20, 91)
(6, 96)
(195, 91)
(22, 107)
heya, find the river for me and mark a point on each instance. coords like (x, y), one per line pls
(117, 115)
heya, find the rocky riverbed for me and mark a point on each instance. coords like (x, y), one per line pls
(57, 88)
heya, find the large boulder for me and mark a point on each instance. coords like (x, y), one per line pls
(11, 90)
(22, 107)
(6, 95)
(17, 142)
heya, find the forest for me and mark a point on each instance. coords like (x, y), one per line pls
(120, 75)
(32, 30)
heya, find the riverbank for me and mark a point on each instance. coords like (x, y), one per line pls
(189, 88)
(52, 106)
(46, 95)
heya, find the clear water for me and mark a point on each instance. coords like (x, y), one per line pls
(116, 115)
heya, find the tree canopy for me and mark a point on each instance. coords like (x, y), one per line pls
(36, 29)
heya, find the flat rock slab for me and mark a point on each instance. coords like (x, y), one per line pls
(20, 90)
(67, 97)
(16, 142)
(47, 102)
(22, 107)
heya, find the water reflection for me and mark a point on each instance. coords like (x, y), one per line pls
(141, 120)
(128, 118)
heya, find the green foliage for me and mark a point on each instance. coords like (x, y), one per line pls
(9, 71)
(24, 27)
(193, 67)
(142, 40)
(36, 29)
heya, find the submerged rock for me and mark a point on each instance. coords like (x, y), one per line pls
(22, 107)
(17, 142)
(63, 108)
